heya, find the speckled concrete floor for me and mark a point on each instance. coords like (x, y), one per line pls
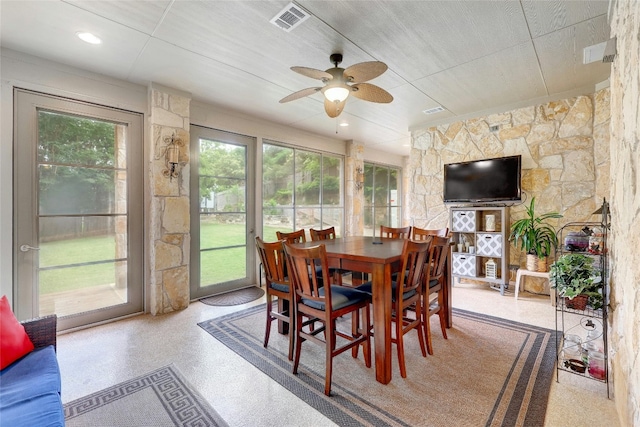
(101, 356)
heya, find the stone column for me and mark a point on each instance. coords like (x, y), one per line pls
(353, 196)
(169, 219)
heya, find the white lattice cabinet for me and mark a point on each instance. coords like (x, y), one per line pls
(479, 235)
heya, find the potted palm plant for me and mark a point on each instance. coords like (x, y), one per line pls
(577, 280)
(535, 236)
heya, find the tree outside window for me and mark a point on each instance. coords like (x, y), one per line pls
(301, 189)
(382, 198)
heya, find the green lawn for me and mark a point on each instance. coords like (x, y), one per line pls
(216, 266)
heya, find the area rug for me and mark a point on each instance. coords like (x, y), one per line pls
(490, 372)
(241, 296)
(160, 398)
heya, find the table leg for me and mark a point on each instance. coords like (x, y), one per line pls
(382, 321)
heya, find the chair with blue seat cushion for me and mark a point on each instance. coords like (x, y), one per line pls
(407, 295)
(277, 286)
(433, 291)
(325, 304)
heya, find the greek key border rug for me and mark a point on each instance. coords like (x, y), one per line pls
(160, 398)
(490, 372)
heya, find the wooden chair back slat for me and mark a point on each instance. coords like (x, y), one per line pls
(395, 232)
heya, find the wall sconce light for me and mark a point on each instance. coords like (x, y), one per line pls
(172, 156)
(359, 179)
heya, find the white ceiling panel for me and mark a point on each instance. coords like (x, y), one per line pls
(561, 54)
(499, 79)
(420, 38)
(140, 15)
(467, 56)
(47, 29)
(545, 17)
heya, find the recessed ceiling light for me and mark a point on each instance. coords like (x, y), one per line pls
(88, 37)
(344, 124)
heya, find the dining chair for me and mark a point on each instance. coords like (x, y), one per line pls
(395, 232)
(406, 294)
(328, 234)
(325, 304)
(422, 233)
(433, 291)
(298, 236)
(277, 286)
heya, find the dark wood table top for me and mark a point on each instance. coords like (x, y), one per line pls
(362, 248)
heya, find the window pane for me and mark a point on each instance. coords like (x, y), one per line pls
(331, 179)
(77, 240)
(333, 218)
(368, 184)
(277, 176)
(73, 140)
(222, 230)
(393, 188)
(317, 179)
(61, 288)
(219, 266)
(276, 219)
(75, 190)
(307, 178)
(381, 195)
(383, 204)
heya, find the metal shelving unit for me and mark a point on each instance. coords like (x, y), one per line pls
(584, 324)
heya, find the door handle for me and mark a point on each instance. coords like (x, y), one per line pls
(27, 248)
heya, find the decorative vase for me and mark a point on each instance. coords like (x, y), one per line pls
(578, 302)
(532, 262)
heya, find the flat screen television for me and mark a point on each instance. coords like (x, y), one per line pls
(483, 181)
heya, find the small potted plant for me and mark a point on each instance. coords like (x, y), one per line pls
(576, 279)
(535, 236)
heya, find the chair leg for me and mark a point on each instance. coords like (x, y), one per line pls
(419, 328)
(298, 344)
(331, 345)
(292, 333)
(427, 324)
(267, 329)
(400, 345)
(355, 331)
(441, 314)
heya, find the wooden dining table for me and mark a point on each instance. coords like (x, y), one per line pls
(381, 257)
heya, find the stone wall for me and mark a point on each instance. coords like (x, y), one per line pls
(625, 208)
(168, 216)
(564, 155)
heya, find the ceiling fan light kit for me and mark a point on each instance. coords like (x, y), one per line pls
(337, 84)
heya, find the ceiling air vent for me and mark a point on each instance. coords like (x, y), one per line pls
(433, 110)
(290, 17)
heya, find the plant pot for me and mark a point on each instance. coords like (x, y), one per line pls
(536, 264)
(578, 302)
(542, 264)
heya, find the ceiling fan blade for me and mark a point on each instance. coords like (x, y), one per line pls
(333, 109)
(371, 93)
(300, 94)
(313, 73)
(364, 71)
